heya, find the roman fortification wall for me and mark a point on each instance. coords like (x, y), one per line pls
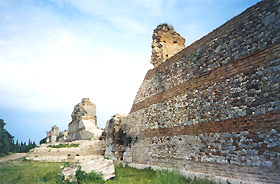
(214, 107)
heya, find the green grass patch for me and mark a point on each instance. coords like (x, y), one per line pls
(165, 176)
(28, 172)
(25, 172)
(64, 146)
(134, 176)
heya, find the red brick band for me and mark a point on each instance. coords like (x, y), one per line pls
(241, 65)
(250, 123)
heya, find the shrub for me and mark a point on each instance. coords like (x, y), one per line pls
(66, 164)
(92, 177)
(60, 177)
(49, 176)
(64, 146)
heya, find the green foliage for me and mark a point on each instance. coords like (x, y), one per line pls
(49, 176)
(174, 176)
(60, 178)
(64, 146)
(7, 144)
(164, 176)
(66, 164)
(92, 177)
(23, 147)
(6, 140)
(43, 141)
(131, 175)
(81, 177)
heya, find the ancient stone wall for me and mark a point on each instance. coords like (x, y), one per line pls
(214, 107)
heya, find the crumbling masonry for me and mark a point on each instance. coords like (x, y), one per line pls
(213, 109)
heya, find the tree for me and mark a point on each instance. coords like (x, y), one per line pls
(43, 141)
(6, 140)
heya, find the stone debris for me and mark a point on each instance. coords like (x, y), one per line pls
(70, 172)
(97, 164)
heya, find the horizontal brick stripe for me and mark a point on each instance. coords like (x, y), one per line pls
(251, 123)
(241, 65)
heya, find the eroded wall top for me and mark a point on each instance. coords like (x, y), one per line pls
(166, 43)
(85, 108)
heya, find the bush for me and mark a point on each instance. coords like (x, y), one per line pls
(49, 176)
(64, 146)
(2, 154)
(43, 141)
(92, 177)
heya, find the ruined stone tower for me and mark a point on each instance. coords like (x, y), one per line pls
(166, 43)
(83, 125)
(52, 134)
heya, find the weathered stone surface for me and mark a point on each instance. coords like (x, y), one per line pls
(116, 138)
(62, 137)
(166, 43)
(97, 164)
(52, 135)
(70, 172)
(84, 124)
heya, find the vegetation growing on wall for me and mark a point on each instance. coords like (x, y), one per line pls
(64, 146)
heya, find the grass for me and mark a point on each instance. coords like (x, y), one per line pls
(148, 176)
(25, 172)
(64, 146)
(28, 172)
(132, 175)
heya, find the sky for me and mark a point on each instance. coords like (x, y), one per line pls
(53, 53)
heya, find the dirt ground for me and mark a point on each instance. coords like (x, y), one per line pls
(12, 157)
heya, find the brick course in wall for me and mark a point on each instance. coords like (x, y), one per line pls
(251, 124)
(214, 107)
(242, 65)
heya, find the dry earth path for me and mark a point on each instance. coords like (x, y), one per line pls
(12, 157)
